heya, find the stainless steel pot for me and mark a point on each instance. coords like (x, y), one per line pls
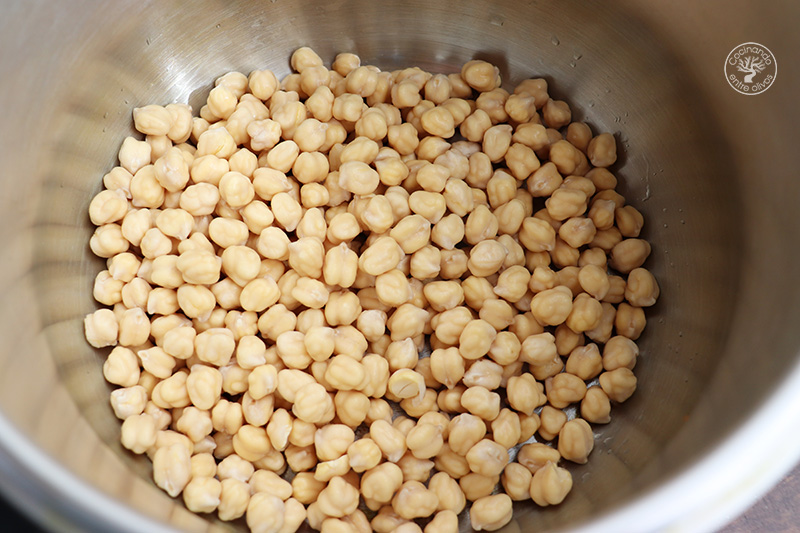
(715, 420)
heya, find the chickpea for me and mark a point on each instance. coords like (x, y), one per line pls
(629, 321)
(595, 406)
(516, 480)
(481, 402)
(642, 289)
(618, 384)
(451, 463)
(552, 306)
(389, 440)
(424, 441)
(550, 485)
(312, 403)
(480, 75)
(445, 521)
(497, 141)
(536, 455)
(629, 254)
(490, 513)
(414, 500)
(202, 494)
(506, 428)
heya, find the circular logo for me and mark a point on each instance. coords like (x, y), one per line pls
(750, 68)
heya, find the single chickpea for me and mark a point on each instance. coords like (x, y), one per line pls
(629, 321)
(629, 254)
(596, 406)
(552, 306)
(506, 428)
(414, 500)
(476, 486)
(480, 75)
(505, 348)
(265, 513)
(481, 402)
(585, 362)
(497, 141)
(602, 150)
(618, 384)
(619, 352)
(536, 455)
(642, 289)
(516, 480)
(202, 494)
(537, 235)
(552, 420)
(564, 389)
(550, 485)
(490, 513)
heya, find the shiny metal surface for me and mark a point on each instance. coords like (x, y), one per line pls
(713, 171)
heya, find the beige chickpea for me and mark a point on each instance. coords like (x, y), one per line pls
(480, 75)
(424, 441)
(476, 486)
(516, 480)
(306, 256)
(129, 401)
(118, 179)
(629, 220)
(575, 441)
(300, 459)
(493, 102)
(642, 289)
(312, 403)
(585, 362)
(564, 389)
(363, 455)
(577, 231)
(481, 402)
(537, 235)
(618, 384)
(202, 494)
(506, 428)
(629, 321)
(451, 498)
(380, 483)
(445, 521)
(286, 210)
(596, 406)
(265, 513)
(552, 306)
(305, 488)
(490, 513)
(338, 499)
(486, 258)
(505, 348)
(262, 381)
(414, 500)
(556, 113)
(602, 150)
(451, 463)
(497, 141)
(552, 420)
(629, 254)
(484, 373)
(619, 352)
(550, 485)
(447, 366)
(536, 455)
(565, 203)
(121, 367)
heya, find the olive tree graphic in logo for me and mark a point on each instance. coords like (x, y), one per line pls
(750, 68)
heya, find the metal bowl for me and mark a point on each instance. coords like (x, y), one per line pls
(714, 172)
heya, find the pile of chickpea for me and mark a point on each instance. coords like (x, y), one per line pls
(280, 267)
